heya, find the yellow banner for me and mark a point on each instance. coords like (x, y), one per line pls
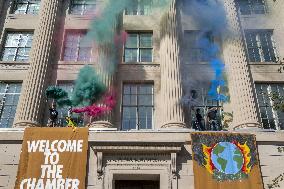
(53, 158)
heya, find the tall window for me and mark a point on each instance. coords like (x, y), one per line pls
(261, 46)
(137, 106)
(139, 7)
(202, 101)
(248, 7)
(9, 97)
(82, 7)
(196, 46)
(271, 118)
(26, 6)
(63, 111)
(76, 48)
(17, 46)
(138, 48)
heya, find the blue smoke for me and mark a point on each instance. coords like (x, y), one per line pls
(211, 53)
(210, 16)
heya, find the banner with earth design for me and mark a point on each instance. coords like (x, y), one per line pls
(225, 161)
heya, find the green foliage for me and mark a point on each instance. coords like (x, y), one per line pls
(88, 87)
(56, 93)
(278, 101)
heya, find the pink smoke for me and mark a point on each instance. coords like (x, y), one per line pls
(94, 110)
(120, 38)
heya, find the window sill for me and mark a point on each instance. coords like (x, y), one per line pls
(148, 15)
(14, 63)
(138, 63)
(75, 62)
(264, 63)
(22, 16)
(80, 16)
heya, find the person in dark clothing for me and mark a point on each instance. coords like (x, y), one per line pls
(198, 121)
(212, 118)
(53, 115)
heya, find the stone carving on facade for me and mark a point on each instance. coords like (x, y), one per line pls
(15, 66)
(113, 161)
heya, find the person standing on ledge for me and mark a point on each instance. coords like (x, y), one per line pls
(53, 116)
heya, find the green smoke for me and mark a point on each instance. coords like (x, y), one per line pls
(88, 87)
(102, 27)
(56, 93)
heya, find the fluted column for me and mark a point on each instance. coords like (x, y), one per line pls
(32, 98)
(106, 70)
(171, 91)
(241, 86)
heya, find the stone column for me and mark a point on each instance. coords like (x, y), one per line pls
(32, 98)
(171, 91)
(241, 86)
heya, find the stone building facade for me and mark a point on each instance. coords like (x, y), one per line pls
(42, 45)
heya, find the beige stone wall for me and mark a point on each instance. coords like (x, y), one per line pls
(158, 146)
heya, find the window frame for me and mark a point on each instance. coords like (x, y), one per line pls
(254, 44)
(250, 6)
(266, 103)
(3, 100)
(206, 102)
(139, 10)
(138, 47)
(137, 106)
(82, 34)
(84, 4)
(28, 4)
(16, 54)
(200, 56)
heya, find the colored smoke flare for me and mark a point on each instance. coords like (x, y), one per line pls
(94, 110)
(88, 87)
(211, 51)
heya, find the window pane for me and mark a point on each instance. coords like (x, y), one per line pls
(9, 54)
(20, 8)
(81, 7)
(271, 118)
(126, 89)
(252, 7)
(26, 6)
(9, 96)
(145, 100)
(132, 92)
(146, 55)
(132, 41)
(84, 54)
(145, 118)
(146, 89)
(23, 54)
(129, 118)
(12, 40)
(33, 8)
(260, 46)
(76, 49)
(146, 40)
(17, 47)
(25, 40)
(130, 55)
